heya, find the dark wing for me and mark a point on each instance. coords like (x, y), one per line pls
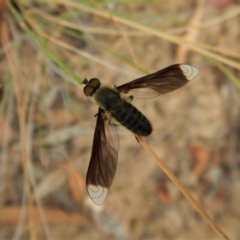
(103, 162)
(163, 81)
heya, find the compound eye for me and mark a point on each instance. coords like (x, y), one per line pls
(88, 90)
(94, 82)
(91, 87)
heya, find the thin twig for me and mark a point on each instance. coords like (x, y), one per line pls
(184, 191)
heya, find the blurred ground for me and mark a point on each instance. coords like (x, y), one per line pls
(196, 131)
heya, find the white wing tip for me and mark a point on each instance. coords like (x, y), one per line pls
(98, 193)
(189, 71)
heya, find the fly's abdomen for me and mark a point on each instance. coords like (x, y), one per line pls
(131, 118)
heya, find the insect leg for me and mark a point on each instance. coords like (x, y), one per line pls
(137, 139)
(130, 98)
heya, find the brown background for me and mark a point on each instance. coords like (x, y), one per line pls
(47, 123)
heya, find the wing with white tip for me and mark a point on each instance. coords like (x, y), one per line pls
(162, 81)
(103, 161)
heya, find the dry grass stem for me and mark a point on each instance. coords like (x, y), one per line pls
(80, 52)
(86, 29)
(184, 191)
(21, 110)
(166, 36)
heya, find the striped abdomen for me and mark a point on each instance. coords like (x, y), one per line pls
(131, 118)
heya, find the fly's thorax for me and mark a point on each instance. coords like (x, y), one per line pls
(107, 98)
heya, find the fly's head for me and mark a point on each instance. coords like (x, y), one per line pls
(91, 86)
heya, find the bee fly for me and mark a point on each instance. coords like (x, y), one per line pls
(112, 105)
